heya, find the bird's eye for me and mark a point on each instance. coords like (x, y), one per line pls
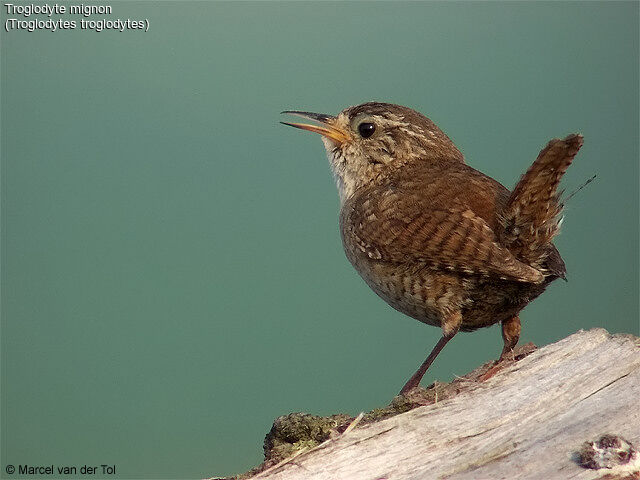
(366, 129)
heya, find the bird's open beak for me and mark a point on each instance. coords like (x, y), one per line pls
(328, 128)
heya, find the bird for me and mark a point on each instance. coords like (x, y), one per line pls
(435, 238)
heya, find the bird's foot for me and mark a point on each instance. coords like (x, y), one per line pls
(508, 357)
(495, 368)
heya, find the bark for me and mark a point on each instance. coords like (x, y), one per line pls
(529, 420)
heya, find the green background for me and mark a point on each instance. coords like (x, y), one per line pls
(172, 273)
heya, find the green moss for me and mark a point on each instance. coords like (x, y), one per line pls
(297, 431)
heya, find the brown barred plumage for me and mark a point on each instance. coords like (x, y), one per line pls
(532, 216)
(435, 238)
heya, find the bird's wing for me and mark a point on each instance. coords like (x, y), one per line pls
(452, 239)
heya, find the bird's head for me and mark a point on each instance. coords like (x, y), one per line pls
(369, 140)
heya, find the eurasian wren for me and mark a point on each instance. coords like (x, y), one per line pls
(435, 238)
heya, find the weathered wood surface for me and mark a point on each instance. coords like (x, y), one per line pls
(526, 422)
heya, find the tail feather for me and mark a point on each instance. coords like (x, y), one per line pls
(532, 215)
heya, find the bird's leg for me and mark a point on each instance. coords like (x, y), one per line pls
(449, 328)
(414, 381)
(510, 335)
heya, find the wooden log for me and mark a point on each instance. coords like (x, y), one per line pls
(528, 421)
